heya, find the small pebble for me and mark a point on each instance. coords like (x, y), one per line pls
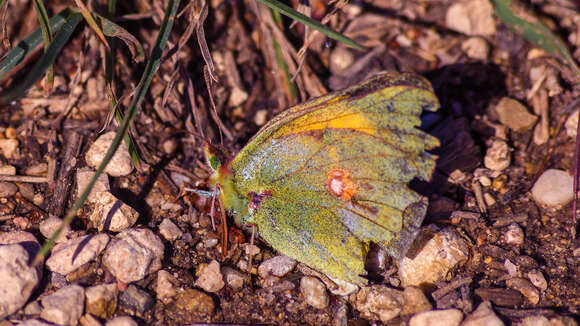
(120, 165)
(9, 148)
(49, 225)
(38, 170)
(68, 256)
(514, 235)
(483, 316)
(7, 170)
(476, 48)
(136, 300)
(234, 278)
(89, 320)
(237, 96)
(314, 292)
(438, 256)
(260, 117)
(122, 321)
(473, 17)
(7, 189)
(378, 302)
(133, 254)
(571, 124)
(415, 301)
(193, 305)
(83, 177)
(17, 279)
(166, 285)
(101, 300)
(448, 317)
(251, 250)
(210, 278)
(553, 188)
(535, 321)
(111, 214)
(169, 230)
(538, 279)
(340, 60)
(498, 156)
(65, 306)
(525, 287)
(515, 115)
(278, 266)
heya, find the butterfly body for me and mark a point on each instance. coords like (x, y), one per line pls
(325, 178)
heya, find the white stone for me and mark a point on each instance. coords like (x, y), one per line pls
(554, 188)
(438, 256)
(169, 230)
(111, 214)
(514, 235)
(340, 60)
(166, 286)
(120, 164)
(211, 278)
(48, 226)
(66, 257)
(9, 148)
(122, 321)
(448, 317)
(133, 254)
(571, 124)
(84, 176)
(65, 306)
(498, 156)
(17, 279)
(278, 266)
(537, 320)
(233, 278)
(538, 279)
(378, 302)
(525, 287)
(483, 316)
(476, 48)
(473, 17)
(314, 292)
(343, 288)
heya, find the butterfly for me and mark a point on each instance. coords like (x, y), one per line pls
(325, 178)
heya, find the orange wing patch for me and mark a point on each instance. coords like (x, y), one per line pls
(339, 184)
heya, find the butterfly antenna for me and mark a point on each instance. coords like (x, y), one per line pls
(251, 251)
(212, 210)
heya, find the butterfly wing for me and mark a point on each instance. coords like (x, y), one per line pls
(331, 175)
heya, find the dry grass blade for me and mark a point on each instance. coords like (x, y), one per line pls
(3, 32)
(92, 23)
(201, 15)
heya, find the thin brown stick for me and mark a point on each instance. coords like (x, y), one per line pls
(23, 178)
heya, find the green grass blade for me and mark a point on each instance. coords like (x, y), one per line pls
(290, 12)
(140, 91)
(27, 46)
(45, 61)
(534, 32)
(46, 36)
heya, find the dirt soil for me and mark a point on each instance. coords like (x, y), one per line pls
(471, 69)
